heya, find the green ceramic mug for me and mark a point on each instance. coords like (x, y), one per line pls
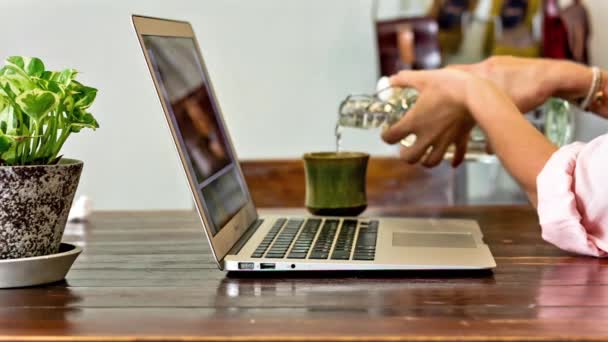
(335, 183)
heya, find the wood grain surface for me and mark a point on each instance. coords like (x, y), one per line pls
(390, 181)
(149, 276)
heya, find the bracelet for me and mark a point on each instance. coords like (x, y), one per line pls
(594, 92)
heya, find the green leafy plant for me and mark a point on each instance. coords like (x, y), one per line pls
(39, 109)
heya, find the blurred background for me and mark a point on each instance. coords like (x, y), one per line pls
(280, 68)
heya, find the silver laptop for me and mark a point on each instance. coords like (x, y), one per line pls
(239, 238)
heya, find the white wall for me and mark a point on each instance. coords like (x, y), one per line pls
(280, 68)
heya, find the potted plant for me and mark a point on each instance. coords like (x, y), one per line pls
(39, 109)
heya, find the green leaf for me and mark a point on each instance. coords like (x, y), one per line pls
(56, 88)
(81, 119)
(17, 61)
(37, 103)
(18, 83)
(49, 75)
(8, 157)
(15, 76)
(39, 109)
(5, 143)
(50, 81)
(11, 69)
(85, 97)
(68, 103)
(6, 90)
(66, 76)
(4, 102)
(34, 66)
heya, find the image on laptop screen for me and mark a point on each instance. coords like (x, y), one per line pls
(195, 116)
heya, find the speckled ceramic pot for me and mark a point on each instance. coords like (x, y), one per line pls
(34, 205)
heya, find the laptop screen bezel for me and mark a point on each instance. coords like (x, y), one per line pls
(227, 235)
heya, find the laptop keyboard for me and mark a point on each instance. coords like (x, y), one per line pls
(302, 246)
(297, 236)
(285, 238)
(344, 244)
(263, 247)
(365, 248)
(326, 239)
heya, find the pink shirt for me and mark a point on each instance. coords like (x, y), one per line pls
(573, 198)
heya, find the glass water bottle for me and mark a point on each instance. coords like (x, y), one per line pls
(555, 118)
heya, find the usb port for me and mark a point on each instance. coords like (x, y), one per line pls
(267, 266)
(245, 265)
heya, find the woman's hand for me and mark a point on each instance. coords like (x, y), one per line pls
(438, 119)
(529, 82)
(450, 101)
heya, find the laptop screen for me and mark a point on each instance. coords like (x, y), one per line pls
(199, 128)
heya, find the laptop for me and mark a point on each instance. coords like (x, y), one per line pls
(240, 239)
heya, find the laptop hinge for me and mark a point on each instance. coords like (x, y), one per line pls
(245, 237)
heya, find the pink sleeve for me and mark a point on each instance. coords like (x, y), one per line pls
(573, 198)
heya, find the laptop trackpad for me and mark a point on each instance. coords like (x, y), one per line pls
(440, 240)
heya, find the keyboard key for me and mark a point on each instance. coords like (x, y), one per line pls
(340, 255)
(270, 236)
(318, 255)
(366, 239)
(325, 240)
(285, 238)
(302, 245)
(365, 248)
(275, 255)
(363, 257)
(373, 226)
(297, 255)
(345, 240)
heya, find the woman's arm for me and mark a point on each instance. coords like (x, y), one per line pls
(522, 149)
(568, 184)
(529, 82)
(449, 102)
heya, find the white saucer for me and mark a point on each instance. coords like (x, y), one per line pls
(38, 270)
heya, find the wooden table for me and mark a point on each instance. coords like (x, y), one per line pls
(150, 277)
